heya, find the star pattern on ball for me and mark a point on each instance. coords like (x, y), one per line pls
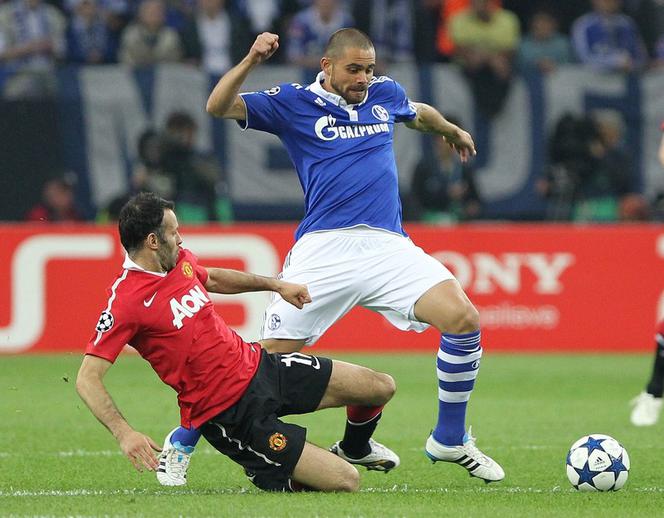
(593, 444)
(617, 465)
(585, 475)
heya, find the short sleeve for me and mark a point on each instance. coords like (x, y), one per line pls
(201, 273)
(403, 110)
(114, 329)
(264, 110)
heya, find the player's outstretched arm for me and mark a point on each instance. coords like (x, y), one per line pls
(90, 386)
(224, 100)
(222, 280)
(430, 120)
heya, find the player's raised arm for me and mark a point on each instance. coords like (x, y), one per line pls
(430, 120)
(222, 280)
(224, 100)
(90, 386)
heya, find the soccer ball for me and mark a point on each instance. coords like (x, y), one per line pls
(597, 463)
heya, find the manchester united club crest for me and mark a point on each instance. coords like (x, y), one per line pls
(187, 270)
(277, 441)
(105, 322)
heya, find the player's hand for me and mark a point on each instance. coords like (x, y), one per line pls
(462, 143)
(139, 449)
(296, 294)
(265, 45)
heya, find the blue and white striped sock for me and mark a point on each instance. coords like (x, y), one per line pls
(458, 363)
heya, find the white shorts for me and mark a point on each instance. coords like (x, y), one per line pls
(359, 266)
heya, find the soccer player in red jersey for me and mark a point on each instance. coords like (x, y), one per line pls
(234, 392)
(648, 404)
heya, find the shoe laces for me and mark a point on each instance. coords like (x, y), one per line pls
(472, 450)
(177, 461)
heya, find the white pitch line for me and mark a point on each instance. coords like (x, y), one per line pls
(393, 490)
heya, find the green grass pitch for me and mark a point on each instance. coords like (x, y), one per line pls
(56, 460)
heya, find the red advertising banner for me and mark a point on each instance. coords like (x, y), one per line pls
(538, 288)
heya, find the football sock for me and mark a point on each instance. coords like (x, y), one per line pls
(656, 384)
(185, 440)
(458, 363)
(360, 426)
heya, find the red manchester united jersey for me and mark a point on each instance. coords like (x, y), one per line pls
(169, 319)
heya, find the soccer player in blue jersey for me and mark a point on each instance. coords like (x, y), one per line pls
(350, 247)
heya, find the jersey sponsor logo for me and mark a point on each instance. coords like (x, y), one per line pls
(148, 302)
(273, 91)
(277, 441)
(274, 322)
(187, 270)
(105, 322)
(326, 129)
(380, 113)
(303, 359)
(188, 306)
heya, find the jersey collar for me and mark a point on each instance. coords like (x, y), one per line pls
(317, 88)
(131, 265)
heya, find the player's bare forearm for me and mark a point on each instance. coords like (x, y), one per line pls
(430, 120)
(224, 100)
(221, 280)
(137, 447)
(90, 386)
(228, 282)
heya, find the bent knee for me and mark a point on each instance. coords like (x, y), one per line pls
(386, 387)
(465, 319)
(349, 480)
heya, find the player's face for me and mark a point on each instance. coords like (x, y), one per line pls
(349, 75)
(169, 247)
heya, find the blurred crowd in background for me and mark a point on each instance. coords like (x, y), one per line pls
(490, 40)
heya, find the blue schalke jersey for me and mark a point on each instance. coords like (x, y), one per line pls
(342, 153)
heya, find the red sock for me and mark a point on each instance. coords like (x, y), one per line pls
(362, 414)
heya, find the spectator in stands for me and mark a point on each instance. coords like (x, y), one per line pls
(200, 187)
(148, 41)
(212, 37)
(57, 203)
(486, 39)
(571, 158)
(32, 40)
(543, 48)
(608, 40)
(611, 176)
(89, 40)
(310, 30)
(649, 17)
(389, 23)
(148, 173)
(443, 186)
(446, 10)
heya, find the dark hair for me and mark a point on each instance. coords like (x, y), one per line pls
(344, 38)
(180, 121)
(141, 216)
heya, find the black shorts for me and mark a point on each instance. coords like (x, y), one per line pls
(251, 433)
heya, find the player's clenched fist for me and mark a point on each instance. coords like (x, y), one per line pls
(265, 45)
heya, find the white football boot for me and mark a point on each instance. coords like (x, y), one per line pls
(646, 409)
(173, 463)
(467, 455)
(381, 458)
